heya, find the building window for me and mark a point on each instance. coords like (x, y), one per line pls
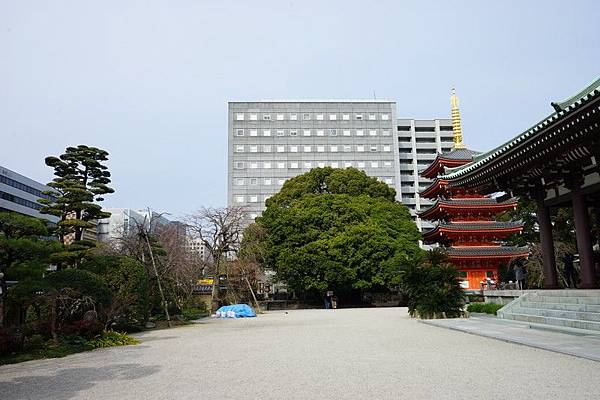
(389, 181)
(321, 164)
(319, 117)
(280, 132)
(253, 117)
(267, 182)
(239, 165)
(360, 148)
(347, 148)
(239, 132)
(335, 164)
(280, 165)
(239, 117)
(239, 149)
(403, 128)
(359, 117)
(320, 132)
(280, 181)
(294, 133)
(333, 132)
(307, 132)
(306, 116)
(308, 165)
(266, 165)
(253, 132)
(372, 132)
(307, 149)
(373, 148)
(267, 132)
(372, 117)
(266, 117)
(385, 133)
(253, 199)
(332, 117)
(293, 117)
(239, 199)
(346, 133)
(293, 149)
(347, 164)
(239, 182)
(387, 164)
(360, 164)
(280, 149)
(333, 149)
(254, 181)
(387, 148)
(385, 117)
(360, 133)
(279, 117)
(294, 164)
(374, 164)
(320, 149)
(346, 117)
(253, 165)
(266, 148)
(253, 149)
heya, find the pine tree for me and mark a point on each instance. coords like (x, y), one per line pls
(81, 179)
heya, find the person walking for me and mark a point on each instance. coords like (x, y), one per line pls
(521, 274)
(569, 271)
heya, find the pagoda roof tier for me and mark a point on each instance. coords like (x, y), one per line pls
(479, 252)
(453, 159)
(444, 229)
(440, 208)
(434, 189)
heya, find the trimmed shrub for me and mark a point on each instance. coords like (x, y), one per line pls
(488, 308)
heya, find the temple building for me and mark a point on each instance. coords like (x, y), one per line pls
(466, 217)
(556, 163)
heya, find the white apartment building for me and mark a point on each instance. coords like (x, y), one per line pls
(272, 141)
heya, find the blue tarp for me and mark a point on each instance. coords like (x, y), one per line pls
(237, 311)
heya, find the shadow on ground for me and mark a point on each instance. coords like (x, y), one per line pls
(66, 383)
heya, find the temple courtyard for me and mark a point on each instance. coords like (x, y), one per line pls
(308, 354)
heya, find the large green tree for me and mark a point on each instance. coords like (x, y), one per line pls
(335, 229)
(81, 180)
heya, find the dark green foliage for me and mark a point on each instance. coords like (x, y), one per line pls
(432, 286)
(488, 308)
(81, 179)
(82, 283)
(333, 229)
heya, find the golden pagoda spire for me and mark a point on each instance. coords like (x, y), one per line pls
(456, 125)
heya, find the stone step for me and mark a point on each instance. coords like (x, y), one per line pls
(542, 298)
(545, 312)
(561, 306)
(537, 319)
(568, 292)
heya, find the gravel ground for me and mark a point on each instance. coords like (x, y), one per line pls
(308, 354)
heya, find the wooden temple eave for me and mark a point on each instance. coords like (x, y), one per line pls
(559, 145)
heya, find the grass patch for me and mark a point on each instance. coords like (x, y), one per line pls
(67, 345)
(488, 308)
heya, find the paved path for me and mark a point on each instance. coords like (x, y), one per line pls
(309, 354)
(576, 343)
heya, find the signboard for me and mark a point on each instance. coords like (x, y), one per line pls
(205, 281)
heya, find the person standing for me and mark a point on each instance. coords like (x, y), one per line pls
(569, 271)
(521, 275)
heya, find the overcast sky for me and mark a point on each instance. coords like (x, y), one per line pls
(149, 81)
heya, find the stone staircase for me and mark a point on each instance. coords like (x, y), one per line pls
(571, 309)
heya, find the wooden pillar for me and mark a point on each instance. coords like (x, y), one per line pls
(546, 241)
(584, 239)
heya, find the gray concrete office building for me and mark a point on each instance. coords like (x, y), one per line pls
(419, 142)
(272, 141)
(20, 194)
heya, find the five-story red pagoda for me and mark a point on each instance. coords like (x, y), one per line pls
(466, 219)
